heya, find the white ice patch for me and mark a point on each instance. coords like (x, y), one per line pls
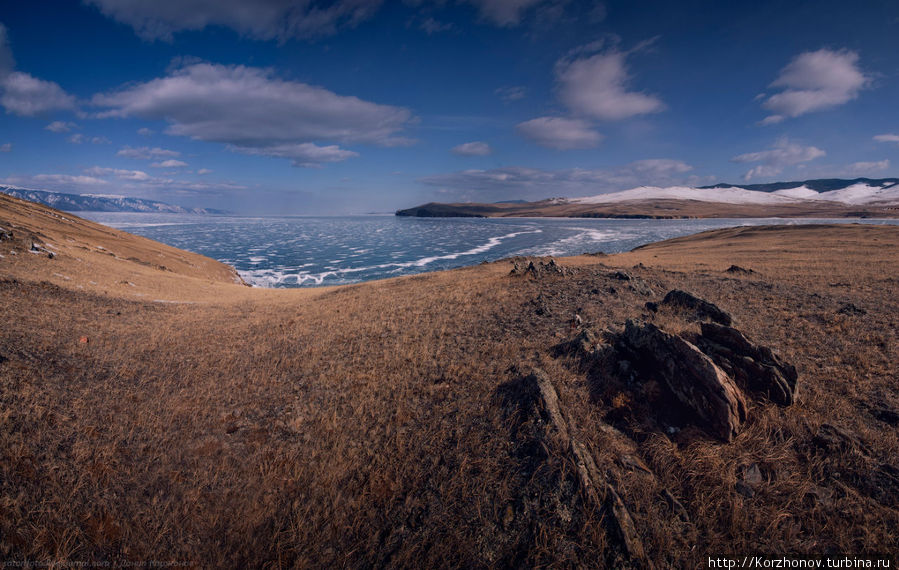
(278, 278)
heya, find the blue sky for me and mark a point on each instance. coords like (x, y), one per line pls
(353, 106)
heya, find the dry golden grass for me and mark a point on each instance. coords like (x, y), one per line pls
(360, 426)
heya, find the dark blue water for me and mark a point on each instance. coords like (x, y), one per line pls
(307, 251)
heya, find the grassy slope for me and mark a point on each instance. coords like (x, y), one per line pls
(361, 425)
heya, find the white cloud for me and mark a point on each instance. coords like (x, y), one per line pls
(60, 127)
(6, 147)
(512, 93)
(597, 86)
(868, 167)
(506, 13)
(258, 113)
(476, 148)
(23, 94)
(560, 133)
(260, 19)
(784, 153)
(29, 96)
(66, 180)
(306, 155)
(887, 138)
(79, 138)
(171, 163)
(204, 171)
(815, 81)
(134, 175)
(146, 153)
(145, 132)
(532, 183)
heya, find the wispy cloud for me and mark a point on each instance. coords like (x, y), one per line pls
(815, 81)
(560, 133)
(887, 138)
(476, 148)
(511, 93)
(260, 19)
(773, 160)
(254, 112)
(534, 183)
(146, 153)
(6, 147)
(171, 163)
(60, 127)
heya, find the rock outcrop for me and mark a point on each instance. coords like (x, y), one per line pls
(694, 379)
(755, 367)
(700, 308)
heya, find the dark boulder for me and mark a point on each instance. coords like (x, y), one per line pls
(694, 379)
(700, 308)
(755, 367)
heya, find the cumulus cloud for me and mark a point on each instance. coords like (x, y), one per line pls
(29, 96)
(6, 147)
(511, 93)
(815, 81)
(772, 161)
(145, 132)
(306, 155)
(23, 94)
(476, 148)
(534, 183)
(60, 127)
(146, 153)
(257, 113)
(560, 133)
(171, 163)
(260, 19)
(204, 171)
(62, 180)
(597, 86)
(887, 138)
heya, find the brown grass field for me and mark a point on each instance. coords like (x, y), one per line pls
(152, 409)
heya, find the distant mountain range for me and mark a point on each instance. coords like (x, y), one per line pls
(831, 197)
(100, 202)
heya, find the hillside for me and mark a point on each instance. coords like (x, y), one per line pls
(859, 198)
(99, 203)
(444, 419)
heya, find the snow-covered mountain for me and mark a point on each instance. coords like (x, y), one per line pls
(99, 202)
(858, 192)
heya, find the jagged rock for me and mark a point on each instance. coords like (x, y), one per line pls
(852, 310)
(738, 269)
(640, 287)
(538, 269)
(621, 276)
(754, 366)
(692, 377)
(581, 345)
(651, 307)
(536, 391)
(701, 308)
